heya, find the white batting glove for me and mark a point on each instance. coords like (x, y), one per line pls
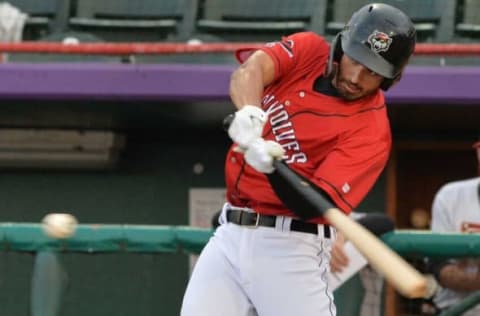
(247, 125)
(261, 153)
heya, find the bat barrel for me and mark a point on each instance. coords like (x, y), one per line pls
(401, 275)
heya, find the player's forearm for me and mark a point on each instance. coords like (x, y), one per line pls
(249, 80)
(458, 279)
(246, 86)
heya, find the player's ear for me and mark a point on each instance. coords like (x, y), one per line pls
(388, 83)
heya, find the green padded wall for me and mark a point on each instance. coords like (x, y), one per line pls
(150, 187)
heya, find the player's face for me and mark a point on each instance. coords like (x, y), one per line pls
(353, 80)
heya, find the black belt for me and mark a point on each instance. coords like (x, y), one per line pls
(244, 218)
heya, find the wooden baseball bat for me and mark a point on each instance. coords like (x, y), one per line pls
(398, 272)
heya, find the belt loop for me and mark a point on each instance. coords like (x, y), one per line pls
(257, 220)
(279, 223)
(222, 219)
(286, 223)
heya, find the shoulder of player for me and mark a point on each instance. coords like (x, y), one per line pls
(310, 36)
(459, 185)
(372, 129)
(312, 39)
(369, 113)
(370, 105)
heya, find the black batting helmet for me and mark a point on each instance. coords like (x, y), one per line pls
(380, 37)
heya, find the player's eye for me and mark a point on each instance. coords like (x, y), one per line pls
(373, 73)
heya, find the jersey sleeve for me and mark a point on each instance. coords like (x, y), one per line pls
(348, 172)
(298, 51)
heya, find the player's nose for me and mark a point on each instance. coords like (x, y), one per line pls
(357, 72)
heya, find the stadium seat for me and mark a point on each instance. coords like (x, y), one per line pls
(139, 20)
(433, 19)
(44, 16)
(340, 12)
(260, 20)
(469, 25)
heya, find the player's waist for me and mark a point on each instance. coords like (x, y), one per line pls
(280, 210)
(248, 217)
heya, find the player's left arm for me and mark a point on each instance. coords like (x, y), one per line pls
(343, 178)
(339, 259)
(295, 200)
(353, 166)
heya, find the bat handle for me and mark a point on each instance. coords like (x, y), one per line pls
(227, 121)
(279, 163)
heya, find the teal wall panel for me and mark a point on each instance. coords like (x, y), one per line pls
(150, 187)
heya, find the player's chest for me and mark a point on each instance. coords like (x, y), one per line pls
(301, 129)
(297, 109)
(302, 98)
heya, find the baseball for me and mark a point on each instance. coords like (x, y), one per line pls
(59, 225)
(70, 41)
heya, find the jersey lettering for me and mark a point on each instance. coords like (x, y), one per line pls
(285, 135)
(282, 126)
(283, 130)
(281, 116)
(298, 157)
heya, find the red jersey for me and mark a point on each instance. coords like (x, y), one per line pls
(341, 146)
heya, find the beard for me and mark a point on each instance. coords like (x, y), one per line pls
(348, 90)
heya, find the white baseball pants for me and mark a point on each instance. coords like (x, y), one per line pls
(250, 271)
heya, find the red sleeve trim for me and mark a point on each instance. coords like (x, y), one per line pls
(242, 54)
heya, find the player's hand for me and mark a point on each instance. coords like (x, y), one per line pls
(247, 125)
(339, 259)
(261, 153)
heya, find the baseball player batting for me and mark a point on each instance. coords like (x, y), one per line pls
(320, 108)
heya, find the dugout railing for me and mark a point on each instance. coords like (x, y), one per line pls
(104, 238)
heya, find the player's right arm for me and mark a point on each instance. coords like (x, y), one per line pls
(246, 91)
(248, 81)
(258, 69)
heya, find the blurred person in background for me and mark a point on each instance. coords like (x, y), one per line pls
(456, 209)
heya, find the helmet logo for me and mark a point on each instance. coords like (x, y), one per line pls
(379, 41)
